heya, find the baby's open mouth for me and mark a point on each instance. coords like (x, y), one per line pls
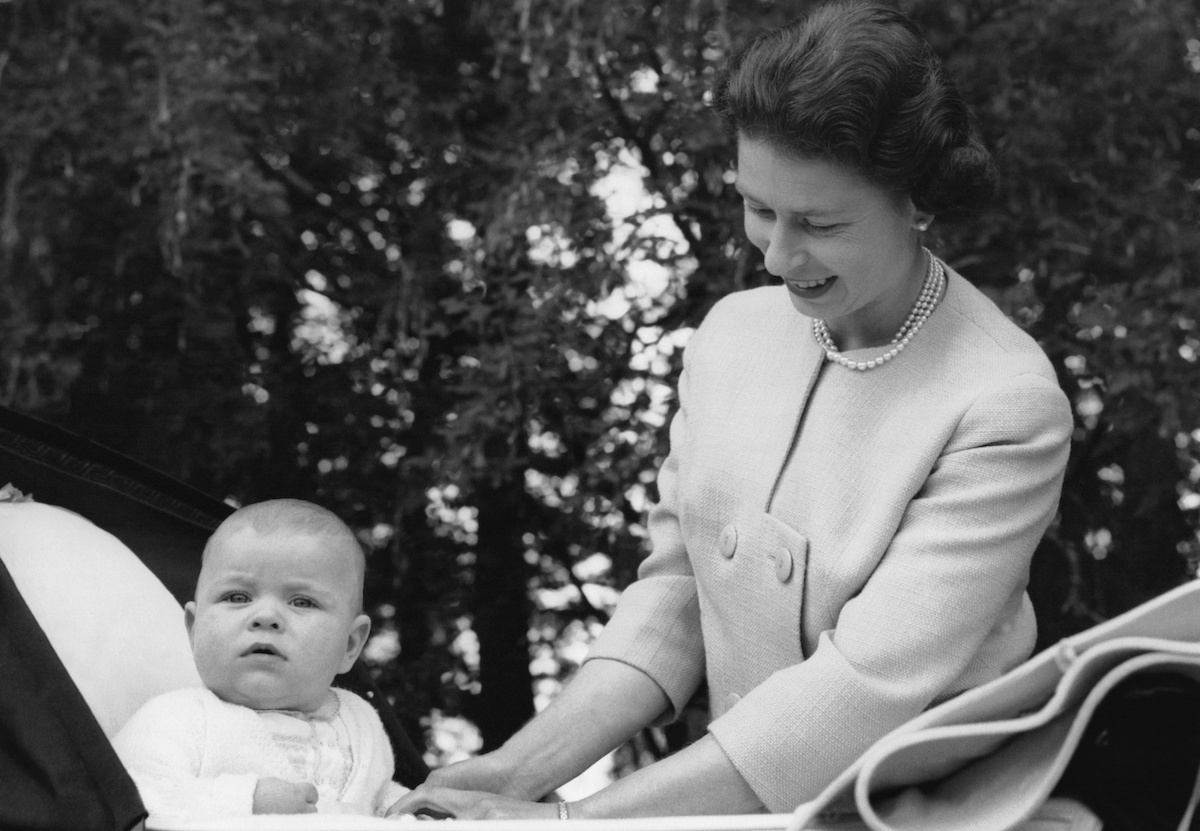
(263, 649)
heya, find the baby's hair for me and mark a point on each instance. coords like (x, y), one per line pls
(291, 516)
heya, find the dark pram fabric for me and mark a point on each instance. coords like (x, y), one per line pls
(57, 768)
(1138, 761)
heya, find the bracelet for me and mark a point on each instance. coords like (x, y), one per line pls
(563, 813)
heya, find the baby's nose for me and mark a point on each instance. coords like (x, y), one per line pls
(265, 617)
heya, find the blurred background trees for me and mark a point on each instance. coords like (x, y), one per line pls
(433, 263)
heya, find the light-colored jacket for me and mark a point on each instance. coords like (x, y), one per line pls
(195, 756)
(836, 550)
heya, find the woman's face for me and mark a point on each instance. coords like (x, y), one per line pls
(848, 251)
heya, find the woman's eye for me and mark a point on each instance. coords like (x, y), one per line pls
(822, 229)
(757, 210)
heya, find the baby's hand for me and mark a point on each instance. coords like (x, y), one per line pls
(275, 796)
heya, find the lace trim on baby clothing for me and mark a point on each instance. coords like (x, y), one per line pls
(317, 745)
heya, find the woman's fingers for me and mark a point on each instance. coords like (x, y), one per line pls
(468, 805)
(423, 799)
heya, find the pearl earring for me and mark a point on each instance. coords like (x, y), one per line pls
(923, 225)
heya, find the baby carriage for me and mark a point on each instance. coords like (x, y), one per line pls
(87, 534)
(97, 554)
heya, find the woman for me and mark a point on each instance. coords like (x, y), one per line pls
(861, 466)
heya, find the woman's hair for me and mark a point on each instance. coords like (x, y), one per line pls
(857, 83)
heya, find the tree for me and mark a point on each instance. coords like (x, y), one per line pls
(1092, 109)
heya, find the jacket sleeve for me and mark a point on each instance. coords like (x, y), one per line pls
(162, 748)
(955, 568)
(656, 626)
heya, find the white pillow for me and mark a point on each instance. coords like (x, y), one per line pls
(114, 625)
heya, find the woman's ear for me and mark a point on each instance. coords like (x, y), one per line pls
(359, 630)
(922, 221)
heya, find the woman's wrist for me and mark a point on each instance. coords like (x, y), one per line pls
(534, 767)
(517, 781)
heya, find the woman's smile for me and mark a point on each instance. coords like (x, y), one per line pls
(810, 289)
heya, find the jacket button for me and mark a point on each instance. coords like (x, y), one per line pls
(783, 564)
(731, 699)
(728, 541)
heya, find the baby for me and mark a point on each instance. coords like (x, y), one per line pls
(277, 614)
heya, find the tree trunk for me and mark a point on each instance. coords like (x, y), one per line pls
(502, 609)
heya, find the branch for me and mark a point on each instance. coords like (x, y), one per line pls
(557, 549)
(640, 135)
(299, 185)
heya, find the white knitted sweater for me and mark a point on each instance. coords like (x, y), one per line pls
(193, 755)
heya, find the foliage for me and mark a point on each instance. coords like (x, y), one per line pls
(1094, 112)
(433, 262)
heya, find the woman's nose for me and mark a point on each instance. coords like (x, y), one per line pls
(785, 251)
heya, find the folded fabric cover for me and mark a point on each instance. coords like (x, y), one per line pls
(116, 628)
(987, 759)
(57, 769)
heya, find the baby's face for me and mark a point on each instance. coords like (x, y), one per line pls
(275, 618)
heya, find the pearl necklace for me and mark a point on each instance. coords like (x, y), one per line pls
(931, 294)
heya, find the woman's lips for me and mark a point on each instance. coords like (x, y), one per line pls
(809, 289)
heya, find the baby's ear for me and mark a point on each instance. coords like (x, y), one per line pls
(359, 630)
(189, 618)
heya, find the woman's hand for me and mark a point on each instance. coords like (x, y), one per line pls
(482, 773)
(606, 703)
(476, 788)
(276, 796)
(461, 804)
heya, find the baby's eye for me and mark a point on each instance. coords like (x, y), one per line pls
(304, 602)
(236, 597)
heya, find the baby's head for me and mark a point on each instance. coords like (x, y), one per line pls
(278, 608)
